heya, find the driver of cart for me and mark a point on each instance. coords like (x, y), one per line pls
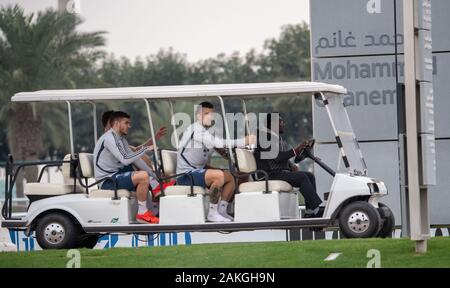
(196, 147)
(106, 121)
(281, 168)
(114, 158)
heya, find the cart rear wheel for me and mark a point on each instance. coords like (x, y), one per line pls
(87, 240)
(359, 220)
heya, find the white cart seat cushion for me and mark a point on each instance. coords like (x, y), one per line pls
(49, 189)
(260, 186)
(86, 161)
(98, 193)
(183, 190)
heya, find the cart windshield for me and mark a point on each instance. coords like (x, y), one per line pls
(345, 137)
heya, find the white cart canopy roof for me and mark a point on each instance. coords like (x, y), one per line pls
(179, 92)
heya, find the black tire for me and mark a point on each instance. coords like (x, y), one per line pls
(359, 219)
(64, 234)
(388, 221)
(87, 240)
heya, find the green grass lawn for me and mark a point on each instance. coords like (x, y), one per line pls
(394, 253)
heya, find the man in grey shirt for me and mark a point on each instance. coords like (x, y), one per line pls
(114, 158)
(196, 147)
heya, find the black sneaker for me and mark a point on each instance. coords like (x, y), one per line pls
(310, 214)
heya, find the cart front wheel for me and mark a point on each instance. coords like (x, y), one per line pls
(388, 223)
(359, 220)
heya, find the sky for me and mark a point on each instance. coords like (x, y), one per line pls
(198, 28)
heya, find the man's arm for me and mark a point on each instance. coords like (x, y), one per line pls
(210, 140)
(281, 157)
(141, 165)
(222, 152)
(116, 147)
(144, 157)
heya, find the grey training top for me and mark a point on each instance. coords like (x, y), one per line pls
(113, 153)
(197, 145)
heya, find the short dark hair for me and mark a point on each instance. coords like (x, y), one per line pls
(117, 115)
(106, 117)
(204, 104)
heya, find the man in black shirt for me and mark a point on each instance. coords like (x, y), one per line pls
(281, 168)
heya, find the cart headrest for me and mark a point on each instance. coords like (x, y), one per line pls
(245, 160)
(169, 162)
(86, 164)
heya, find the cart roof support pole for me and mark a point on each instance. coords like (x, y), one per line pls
(152, 131)
(227, 130)
(69, 111)
(172, 121)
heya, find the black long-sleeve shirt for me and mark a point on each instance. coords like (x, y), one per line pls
(278, 159)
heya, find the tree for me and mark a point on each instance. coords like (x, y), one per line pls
(288, 57)
(43, 51)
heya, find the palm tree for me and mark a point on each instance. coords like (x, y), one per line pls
(43, 51)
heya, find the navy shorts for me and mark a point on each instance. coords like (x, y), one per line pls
(123, 180)
(198, 175)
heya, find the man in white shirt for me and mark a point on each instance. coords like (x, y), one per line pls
(196, 147)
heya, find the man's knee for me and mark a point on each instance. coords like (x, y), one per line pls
(216, 177)
(229, 179)
(310, 175)
(141, 177)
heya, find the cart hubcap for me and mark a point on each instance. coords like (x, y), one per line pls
(358, 222)
(54, 233)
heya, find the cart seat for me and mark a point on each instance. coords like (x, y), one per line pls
(86, 161)
(258, 186)
(169, 166)
(49, 189)
(53, 189)
(98, 193)
(246, 163)
(177, 206)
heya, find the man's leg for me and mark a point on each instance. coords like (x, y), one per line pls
(141, 181)
(311, 178)
(300, 179)
(215, 180)
(219, 180)
(228, 187)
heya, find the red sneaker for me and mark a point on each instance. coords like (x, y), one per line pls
(147, 218)
(156, 193)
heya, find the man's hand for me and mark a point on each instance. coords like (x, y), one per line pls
(300, 147)
(294, 168)
(250, 139)
(161, 132)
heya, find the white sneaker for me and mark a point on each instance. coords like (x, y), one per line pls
(226, 215)
(214, 216)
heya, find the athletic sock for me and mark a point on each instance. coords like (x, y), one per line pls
(142, 207)
(212, 206)
(223, 205)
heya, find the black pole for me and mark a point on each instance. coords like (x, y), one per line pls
(5, 205)
(322, 164)
(10, 186)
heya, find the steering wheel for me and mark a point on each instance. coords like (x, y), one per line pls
(305, 151)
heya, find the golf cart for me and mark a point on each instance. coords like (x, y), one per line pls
(77, 212)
